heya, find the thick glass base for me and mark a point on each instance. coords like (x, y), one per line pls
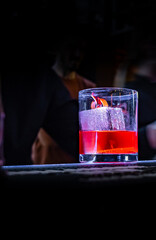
(90, 158)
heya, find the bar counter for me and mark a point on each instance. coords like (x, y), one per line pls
(80, 175)
(77, 187)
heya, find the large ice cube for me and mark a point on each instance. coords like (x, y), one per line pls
(116, 119)
(94, 119)
(102, 118)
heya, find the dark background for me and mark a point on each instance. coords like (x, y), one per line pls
(114, 30)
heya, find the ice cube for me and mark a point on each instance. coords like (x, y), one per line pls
(116, 119)
(102, 118)
(94, 119)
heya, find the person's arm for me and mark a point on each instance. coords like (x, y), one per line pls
(146, 150)
(151, 134)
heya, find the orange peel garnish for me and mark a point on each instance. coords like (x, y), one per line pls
(98, 102)
(104, 102)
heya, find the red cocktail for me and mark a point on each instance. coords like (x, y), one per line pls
(108, 125)
(110, 142)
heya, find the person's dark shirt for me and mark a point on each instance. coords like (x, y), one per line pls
(34, 97)
(146, 113)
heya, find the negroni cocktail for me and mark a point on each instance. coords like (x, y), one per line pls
(108, 125)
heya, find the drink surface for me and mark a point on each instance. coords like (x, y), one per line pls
(108, 142)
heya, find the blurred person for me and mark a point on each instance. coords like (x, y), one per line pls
(67, 64)
(144, 82)
(31, 101)
(33, 97)
(70, 55)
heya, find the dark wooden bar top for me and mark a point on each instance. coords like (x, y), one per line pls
(77, 187)
(81, 175)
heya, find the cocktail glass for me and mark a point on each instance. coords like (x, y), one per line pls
(108, 125)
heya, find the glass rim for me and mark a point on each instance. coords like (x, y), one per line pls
(88, 91)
